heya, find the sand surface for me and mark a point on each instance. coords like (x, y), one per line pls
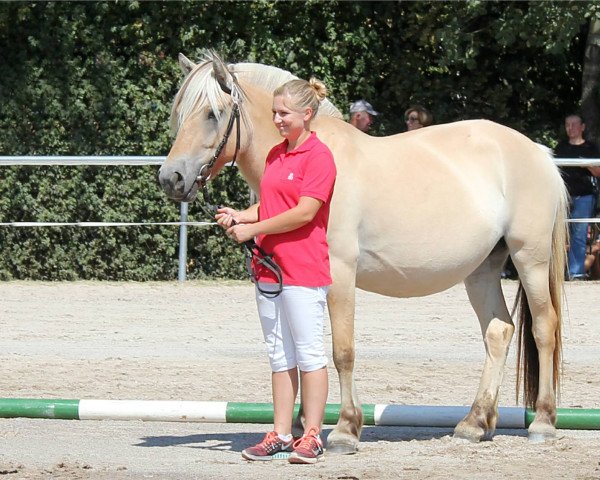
(202, 341)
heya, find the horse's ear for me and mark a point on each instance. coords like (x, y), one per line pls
(223, 75)
(185, 64)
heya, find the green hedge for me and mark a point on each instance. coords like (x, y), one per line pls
(107, 194)
(98, 78)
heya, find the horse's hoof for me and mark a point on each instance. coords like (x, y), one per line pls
(537, 438)
(341, 443)
(459, 437)
(464, 431)
(341, 448)
(541, 435)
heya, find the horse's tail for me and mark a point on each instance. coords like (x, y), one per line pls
(527, 353)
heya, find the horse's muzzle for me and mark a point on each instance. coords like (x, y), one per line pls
(174, 185)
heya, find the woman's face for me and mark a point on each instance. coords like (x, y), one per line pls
(288, 121)
(412, 121)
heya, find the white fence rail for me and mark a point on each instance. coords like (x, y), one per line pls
(108, 160)
(81, 160)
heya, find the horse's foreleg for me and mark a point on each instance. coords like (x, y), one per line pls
(485, 294)
(345, 436)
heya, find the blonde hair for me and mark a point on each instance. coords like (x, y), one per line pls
(303, 94)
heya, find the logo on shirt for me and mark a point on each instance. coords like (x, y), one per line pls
(291, 176)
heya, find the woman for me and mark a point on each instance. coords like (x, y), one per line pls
(417, 117)
(290, 223)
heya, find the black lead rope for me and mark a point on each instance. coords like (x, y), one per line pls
(263, 258)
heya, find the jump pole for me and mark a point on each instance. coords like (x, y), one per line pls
(236, 412)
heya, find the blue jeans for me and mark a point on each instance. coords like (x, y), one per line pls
(582, 207)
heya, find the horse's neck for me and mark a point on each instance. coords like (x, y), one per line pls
(251, 167)
(261, 137)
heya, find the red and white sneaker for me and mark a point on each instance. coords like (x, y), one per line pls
(268, 449)
(308, 448)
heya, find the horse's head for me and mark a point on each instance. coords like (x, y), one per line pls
(206, 119)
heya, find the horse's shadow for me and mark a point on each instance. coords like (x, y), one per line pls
(236, 442)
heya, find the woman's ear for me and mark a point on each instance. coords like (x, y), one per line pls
(308, 114)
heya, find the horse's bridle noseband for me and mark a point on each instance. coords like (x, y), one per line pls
(252, 249)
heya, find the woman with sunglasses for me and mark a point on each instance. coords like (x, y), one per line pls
(417, 117)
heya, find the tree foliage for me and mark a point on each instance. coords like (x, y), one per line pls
(98, 78)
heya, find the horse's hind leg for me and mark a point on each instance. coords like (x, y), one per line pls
(485, 293)
(540, 344)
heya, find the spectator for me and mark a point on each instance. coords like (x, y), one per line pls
(361, 115)
(592, 260)
(581, 185)
(417, 117)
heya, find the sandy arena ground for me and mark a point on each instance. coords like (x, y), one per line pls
(201, 341)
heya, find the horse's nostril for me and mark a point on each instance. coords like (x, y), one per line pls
(177, 182)
(171, 182)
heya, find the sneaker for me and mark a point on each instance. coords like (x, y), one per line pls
(308, 448)
(576, 278)
(268, 449)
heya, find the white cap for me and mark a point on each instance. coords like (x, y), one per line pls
(363, 106)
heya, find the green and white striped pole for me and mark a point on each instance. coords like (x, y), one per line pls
(236, 412)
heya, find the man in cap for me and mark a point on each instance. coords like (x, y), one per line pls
(361, 115)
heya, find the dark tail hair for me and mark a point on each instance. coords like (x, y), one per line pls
(528, 367)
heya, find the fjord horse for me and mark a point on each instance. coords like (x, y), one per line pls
(489, 189)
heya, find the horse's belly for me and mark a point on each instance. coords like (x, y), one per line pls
(406, 284)
(425, 272)
(418, 251)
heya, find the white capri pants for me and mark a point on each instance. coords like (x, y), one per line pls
(293, 327)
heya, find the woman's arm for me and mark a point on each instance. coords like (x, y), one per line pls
(227, 216)
(595, 171)
(287, 221)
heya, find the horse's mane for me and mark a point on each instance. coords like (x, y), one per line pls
(200, 87)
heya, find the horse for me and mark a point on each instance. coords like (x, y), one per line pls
(488, 189)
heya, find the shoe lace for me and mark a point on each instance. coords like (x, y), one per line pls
(270, 439)
(308, 440)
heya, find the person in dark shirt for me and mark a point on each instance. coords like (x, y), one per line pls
(581, 185)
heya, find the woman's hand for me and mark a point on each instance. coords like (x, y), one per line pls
(241, 232)
(233, 222)
(226, 217)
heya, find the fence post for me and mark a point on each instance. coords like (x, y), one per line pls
(183, 242)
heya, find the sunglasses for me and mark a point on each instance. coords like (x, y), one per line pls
(412, 119)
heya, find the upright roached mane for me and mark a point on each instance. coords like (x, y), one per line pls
(200, 88)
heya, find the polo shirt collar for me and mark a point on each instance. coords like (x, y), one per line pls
(307, 145)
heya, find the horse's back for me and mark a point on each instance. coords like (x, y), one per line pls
(423, 209)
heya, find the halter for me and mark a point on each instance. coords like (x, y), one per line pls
(252, 249)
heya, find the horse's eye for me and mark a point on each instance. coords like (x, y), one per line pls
(211, 115)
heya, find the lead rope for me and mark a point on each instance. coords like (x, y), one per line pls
(252, 250)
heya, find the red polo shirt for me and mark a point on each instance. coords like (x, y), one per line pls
(307, 171)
